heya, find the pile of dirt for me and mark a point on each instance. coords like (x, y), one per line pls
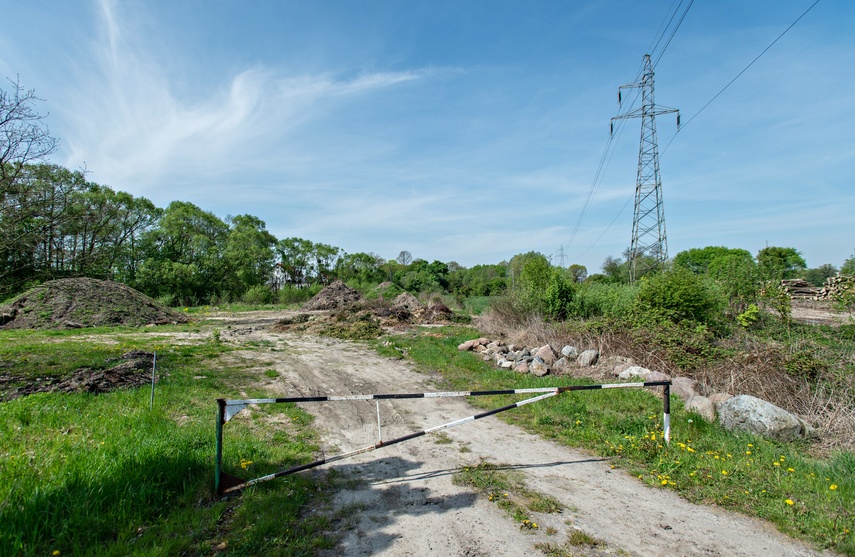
(407, 301)
(134, 370)
(334, 296)
(84, 302)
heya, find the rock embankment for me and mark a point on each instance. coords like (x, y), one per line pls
(735, 413)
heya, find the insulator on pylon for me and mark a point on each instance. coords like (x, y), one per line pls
(678, 121)
(611, 128)
(618, 96)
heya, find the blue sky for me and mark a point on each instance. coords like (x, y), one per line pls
(459, 131)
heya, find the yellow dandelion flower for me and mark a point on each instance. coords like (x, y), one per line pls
(724, 472)
(747, 452)
(750, 445)
(55, 552)
(832, 487)
(789, 502)
(776, 464)
(664, 482)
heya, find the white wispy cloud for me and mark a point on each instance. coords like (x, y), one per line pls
(130, 125)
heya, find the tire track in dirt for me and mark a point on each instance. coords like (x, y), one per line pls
(406, 504)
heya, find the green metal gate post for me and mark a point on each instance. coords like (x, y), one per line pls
(218, 465)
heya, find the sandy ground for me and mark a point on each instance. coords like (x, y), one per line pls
(404, 502)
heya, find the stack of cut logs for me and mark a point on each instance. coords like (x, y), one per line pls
(799, 288)
(836, 285)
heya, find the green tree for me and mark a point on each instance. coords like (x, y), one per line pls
(249, 253)
(578, 273)
(362, 268)
(738, 278)
(185, 255)
(295, 259)
(778, 263)
(848, 267)
(818, 276)
(698, 260)
(616, 270)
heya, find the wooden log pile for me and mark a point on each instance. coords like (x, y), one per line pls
(835, 286)
(799, 288)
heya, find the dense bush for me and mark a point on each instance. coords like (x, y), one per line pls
(259, 294)
(679, 295)
(290, 294)
(595, 299)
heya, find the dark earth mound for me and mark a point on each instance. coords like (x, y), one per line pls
(133, 370)
(334, 296)
(84, 302)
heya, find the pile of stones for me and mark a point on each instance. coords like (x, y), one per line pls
(735, 413)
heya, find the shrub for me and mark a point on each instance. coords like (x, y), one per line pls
(600, 299)
(678, 295)
(258, 294)
(290, 294)
(558, 297)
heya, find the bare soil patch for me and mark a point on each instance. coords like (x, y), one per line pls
(818, 312)
(132, 370)
(402, 500)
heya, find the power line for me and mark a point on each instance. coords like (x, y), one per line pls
(739, 74)
(674, 31)
(608, 151)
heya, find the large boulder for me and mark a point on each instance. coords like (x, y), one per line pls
(757, 416)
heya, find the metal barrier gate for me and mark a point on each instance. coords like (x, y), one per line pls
(227, 409)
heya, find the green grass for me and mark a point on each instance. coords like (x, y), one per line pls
(477, 304)
(507, 489)
(103, 475)
(807, 497)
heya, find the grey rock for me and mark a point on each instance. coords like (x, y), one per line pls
(757, 416)
(588, 358)
(547, 354)
(635, 372)
(538, 367)
(684, 387)
(521, 368)
(719, 398)
(658, 376)
(569, 352)
(701, 405)
(560, 365)
(620, 368)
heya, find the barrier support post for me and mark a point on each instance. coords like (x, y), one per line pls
(666, 413)
(218, 459)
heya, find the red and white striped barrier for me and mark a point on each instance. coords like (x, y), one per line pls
(227, 409)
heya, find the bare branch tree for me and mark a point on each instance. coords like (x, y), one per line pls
(24, 137)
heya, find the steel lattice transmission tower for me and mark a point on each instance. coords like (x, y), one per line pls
(649, 248)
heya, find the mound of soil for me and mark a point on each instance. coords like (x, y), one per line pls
(84, 302)
(334, 296)
(407, 301)
(134, 370)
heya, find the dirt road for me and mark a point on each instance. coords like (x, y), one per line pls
(406, 504)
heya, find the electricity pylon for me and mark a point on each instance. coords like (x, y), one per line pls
(649, 248)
